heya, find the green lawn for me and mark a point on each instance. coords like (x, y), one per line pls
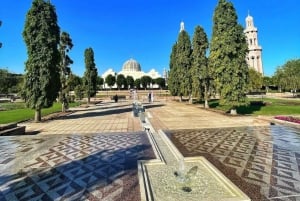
(271, 107)
(18, 113)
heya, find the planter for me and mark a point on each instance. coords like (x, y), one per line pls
(289, 119)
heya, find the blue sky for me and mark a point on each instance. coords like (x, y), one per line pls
(146, 30)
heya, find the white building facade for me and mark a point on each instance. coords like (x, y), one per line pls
(131, 68)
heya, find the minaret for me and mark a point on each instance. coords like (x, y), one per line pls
(253, 58)
(181, 26)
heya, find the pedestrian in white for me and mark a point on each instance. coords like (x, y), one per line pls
(152, 97)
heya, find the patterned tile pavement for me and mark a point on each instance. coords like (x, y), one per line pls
(103, 117)
(266, 157)
(72, 167)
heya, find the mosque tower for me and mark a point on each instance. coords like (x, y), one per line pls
(181, 26)
(254, 59)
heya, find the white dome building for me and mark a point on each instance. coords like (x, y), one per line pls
(132, 68)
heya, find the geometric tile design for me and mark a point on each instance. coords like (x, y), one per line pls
(81, 167)
(267, 157)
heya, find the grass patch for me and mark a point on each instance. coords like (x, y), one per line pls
(269, 106)
(22, 114)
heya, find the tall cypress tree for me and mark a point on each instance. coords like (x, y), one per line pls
(173, 82)
(200, 73)
(183, 64)
(227, 55)
(41, 35)
(90, 74)
(65, 46)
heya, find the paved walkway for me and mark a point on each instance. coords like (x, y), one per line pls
(103, 117)
(92, 153)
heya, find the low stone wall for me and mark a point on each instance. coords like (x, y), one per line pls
(11, 129)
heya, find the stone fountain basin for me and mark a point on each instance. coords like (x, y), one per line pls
(208, 184)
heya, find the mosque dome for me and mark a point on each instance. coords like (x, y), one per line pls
(131, 65)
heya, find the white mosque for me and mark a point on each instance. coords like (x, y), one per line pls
(132, 68)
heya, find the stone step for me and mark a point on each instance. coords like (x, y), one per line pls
(7, 126)
(18, 130)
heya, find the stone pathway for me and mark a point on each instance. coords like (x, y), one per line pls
(72, 167)
(104, 117)
(92, 153)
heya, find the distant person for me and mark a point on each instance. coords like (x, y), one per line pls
(116, 98)
(149, 97)
(152, 97)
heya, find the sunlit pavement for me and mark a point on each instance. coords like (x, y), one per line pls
(92, 153)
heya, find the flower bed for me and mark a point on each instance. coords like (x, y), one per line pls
(289, 118)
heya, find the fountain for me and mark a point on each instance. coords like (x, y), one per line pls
(173, 177)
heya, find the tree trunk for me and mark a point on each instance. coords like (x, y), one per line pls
(37, 115)
(233, 111)
(89, 99)
(206, 105)
(190, 99)
(63, 107)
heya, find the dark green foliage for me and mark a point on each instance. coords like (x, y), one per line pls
(90, 74)
(173, 82)
(130, 81)
(110, 80)
(183, 63)
(146, 81)
(287, 77)
(10, 82)
(255, 80)
(161, 82)
(121, 81)
(74, 81)
(199, 71)
(41, 35)
(137, 83)
(100, 82)
(227, 55)
(65, 46)
(79, 91)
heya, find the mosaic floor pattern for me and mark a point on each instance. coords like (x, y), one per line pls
(72, 167)
(265, 157)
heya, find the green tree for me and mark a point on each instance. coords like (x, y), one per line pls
(90, 74)
(121, 81)
(137, 83)
(173, 81)
(267, 81)
(255, 80)
(41, 35)
(73, 81)
(9, 82)
(79, 91)
(110, 80)
(228, 49)
(161, 82)
(288, 76)
(199, 71)
(146, 81)
(100, 82)
(183, 64)
(130, 81)
(65, 46)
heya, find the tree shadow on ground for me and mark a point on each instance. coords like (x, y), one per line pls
(113, 111)
(101, 173)
(251, 108)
